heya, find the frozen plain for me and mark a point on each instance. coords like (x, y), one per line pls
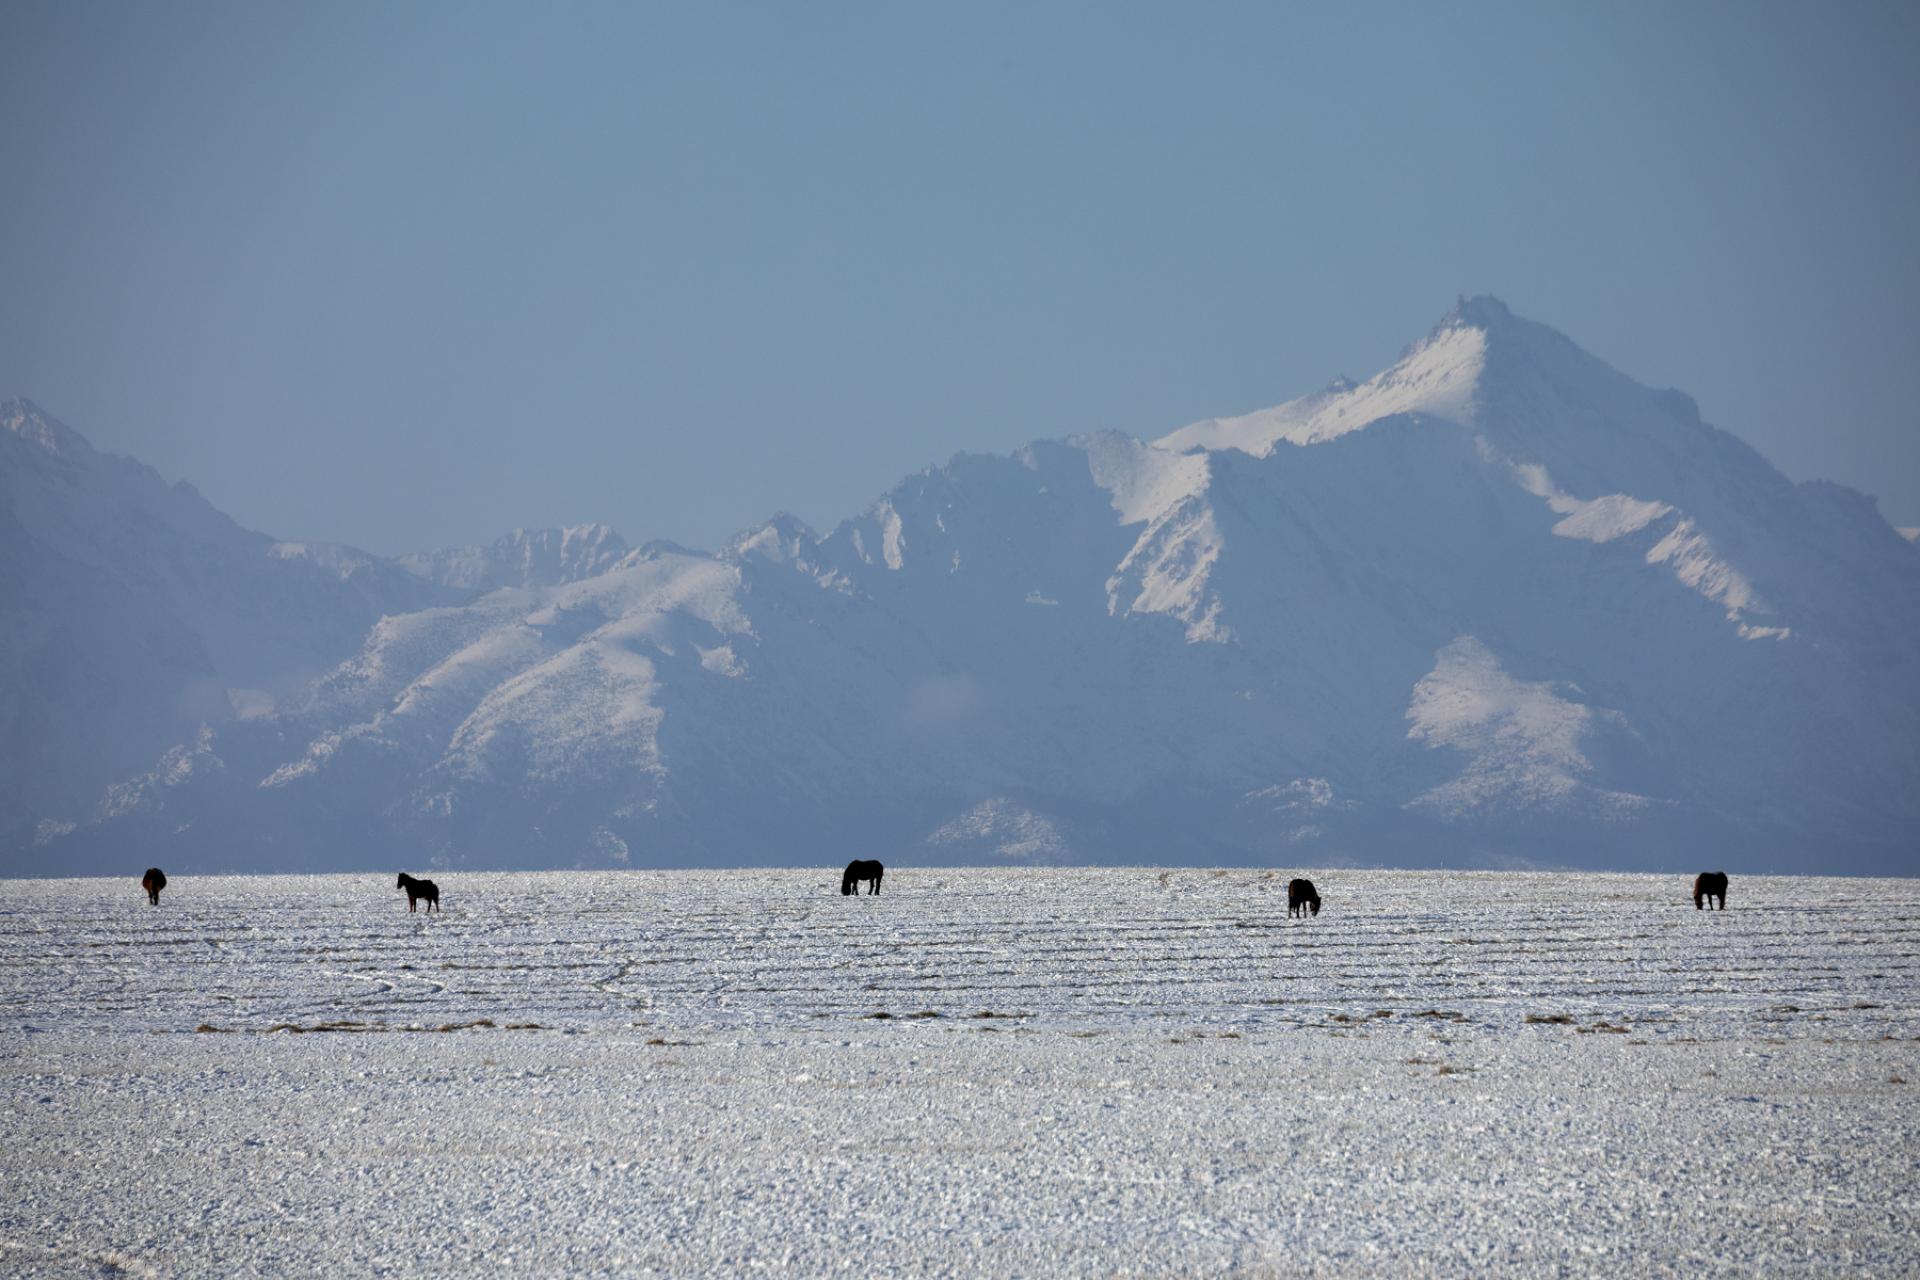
(1079, 1072)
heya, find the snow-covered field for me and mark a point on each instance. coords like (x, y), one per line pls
(992, 1072)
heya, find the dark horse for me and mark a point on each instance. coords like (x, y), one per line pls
(1302, 897)
(1707, 886)
(418, 889)
(862, 869)
(153, 882)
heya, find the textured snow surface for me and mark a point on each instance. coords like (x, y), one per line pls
(1079, 1072)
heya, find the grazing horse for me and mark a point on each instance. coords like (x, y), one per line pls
(1302, 897)
(418, 889)
(1707, 886)
(862, 869)
(153, 882)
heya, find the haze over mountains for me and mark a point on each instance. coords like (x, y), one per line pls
(1498, 605)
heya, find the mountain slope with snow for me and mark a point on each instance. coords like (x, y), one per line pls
(1498, 605)
(134, 612)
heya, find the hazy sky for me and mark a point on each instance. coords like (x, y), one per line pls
(407, 274)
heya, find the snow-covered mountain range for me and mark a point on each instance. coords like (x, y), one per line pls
(1498, 605)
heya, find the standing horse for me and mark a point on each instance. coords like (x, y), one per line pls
(1707, 886)
(418, 889)
(1302, 897)
(153, 882)
(862, 869)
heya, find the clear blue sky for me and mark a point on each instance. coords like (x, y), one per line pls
(411, 274)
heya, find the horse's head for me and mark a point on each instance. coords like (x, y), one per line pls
(401, 883)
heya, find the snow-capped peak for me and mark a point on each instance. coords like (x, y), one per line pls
(1483, 311)
(1437, 376)
(34, 425)
(523, 558)
(783, 539)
